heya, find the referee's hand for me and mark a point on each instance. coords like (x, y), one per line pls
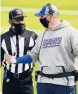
(10, 59)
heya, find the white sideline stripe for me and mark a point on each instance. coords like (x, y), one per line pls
(68, 12)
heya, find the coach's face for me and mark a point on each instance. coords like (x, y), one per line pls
(18, 25)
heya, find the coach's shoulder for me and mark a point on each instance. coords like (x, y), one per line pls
(73, 32)
(73, 29)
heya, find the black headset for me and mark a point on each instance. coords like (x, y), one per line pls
(50, 9)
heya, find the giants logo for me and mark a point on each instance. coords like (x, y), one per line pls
(19, 11)
(51, 42)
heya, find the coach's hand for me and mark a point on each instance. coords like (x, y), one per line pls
(10, 59)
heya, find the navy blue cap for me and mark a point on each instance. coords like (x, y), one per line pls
(15, 13)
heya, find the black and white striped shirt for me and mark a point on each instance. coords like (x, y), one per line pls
(17, 45)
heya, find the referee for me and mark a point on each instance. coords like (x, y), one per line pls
(17, 42)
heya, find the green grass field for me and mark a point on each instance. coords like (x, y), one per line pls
(31, 21)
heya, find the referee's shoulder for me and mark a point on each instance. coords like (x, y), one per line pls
(31, 33)
(4, 35)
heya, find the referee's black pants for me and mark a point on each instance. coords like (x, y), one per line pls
(21, 85)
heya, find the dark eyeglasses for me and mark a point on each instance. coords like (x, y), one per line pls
(19, 19)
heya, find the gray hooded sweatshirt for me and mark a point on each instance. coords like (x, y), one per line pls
(56, 49)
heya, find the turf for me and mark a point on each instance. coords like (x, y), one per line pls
(61, 4)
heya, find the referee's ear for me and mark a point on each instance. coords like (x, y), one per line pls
(10, 22)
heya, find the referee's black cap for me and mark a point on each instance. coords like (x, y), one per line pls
(15, 13)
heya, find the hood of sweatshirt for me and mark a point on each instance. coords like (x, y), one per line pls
(62, 24)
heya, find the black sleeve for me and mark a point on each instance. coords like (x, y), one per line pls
(34, 36)
(2, 54)
(1, 49)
